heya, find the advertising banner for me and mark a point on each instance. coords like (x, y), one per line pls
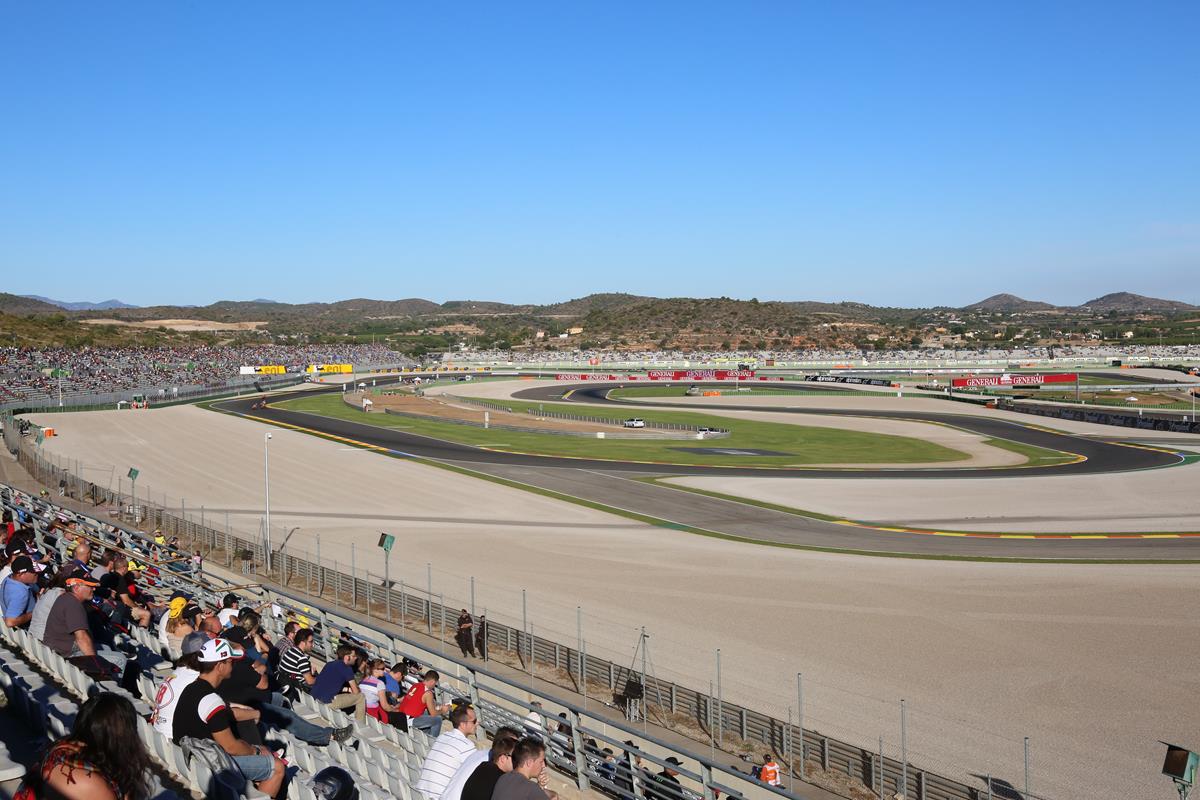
(699, 374)
(848, 379)
(584, 376)
(331, 369)
(273, 369)
(1007, 379)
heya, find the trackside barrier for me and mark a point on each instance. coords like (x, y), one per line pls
(559, 663)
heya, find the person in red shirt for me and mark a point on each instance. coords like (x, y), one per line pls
(420, 707)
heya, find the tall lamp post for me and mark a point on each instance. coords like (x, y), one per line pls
(267, 495)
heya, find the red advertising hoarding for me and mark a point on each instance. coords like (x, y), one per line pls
(1008, 379)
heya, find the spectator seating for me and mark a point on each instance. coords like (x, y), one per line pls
(384, 760)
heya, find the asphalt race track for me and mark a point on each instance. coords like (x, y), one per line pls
(616, 484)
(1101, 456)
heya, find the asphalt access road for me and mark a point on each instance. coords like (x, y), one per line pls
(1101, 456)
(616, 485)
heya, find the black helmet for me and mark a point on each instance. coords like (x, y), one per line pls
(334, 783)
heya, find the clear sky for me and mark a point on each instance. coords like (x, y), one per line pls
(891, 153)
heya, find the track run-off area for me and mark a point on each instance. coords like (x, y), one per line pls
(638, 489)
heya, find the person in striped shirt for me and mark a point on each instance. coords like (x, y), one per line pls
(295, 667)
(448, 752)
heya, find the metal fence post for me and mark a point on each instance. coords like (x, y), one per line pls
(354, 578)
(1026, 766)
(903, 748)
(800, 717)
(720, 705)
(881, 766)
(429, 597)
(581, 764)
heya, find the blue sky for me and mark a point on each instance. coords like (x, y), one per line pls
(890, 153)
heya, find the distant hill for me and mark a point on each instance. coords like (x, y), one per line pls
(1127, 301)
(410, 307)
(480, 307)
(1008, 303)
(583, 306)
(103, 305)
(17, 304)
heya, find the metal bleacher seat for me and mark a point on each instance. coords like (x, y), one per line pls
(384, 763)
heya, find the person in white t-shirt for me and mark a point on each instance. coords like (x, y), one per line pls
(167, 696)
(229, 611)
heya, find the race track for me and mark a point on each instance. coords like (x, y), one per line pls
(619, 485)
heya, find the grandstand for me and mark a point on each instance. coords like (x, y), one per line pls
(37, 377)
(46, 691)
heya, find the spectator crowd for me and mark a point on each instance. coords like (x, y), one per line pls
(27, 374)
(90, 592)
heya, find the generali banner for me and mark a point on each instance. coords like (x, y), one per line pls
(699, 374)
(1018, 379)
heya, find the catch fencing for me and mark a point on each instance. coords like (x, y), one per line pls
(805, 752)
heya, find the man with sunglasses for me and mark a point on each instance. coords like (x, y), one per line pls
(448, 752)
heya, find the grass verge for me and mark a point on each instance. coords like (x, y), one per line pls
(798, 445)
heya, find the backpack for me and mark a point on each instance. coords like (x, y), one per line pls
(218, 774)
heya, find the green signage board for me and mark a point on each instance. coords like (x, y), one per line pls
(133, 473)
(386, 540)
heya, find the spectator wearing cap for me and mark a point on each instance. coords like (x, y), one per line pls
(173, 605)
(247, 690)
(664, 785)
(186, 672)
(18, 593)
(201, 714)
(63, 624)
(179, 618)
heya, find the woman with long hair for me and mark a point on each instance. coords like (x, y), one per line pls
(102, 757)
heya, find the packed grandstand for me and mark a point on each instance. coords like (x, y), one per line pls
(33, 375)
